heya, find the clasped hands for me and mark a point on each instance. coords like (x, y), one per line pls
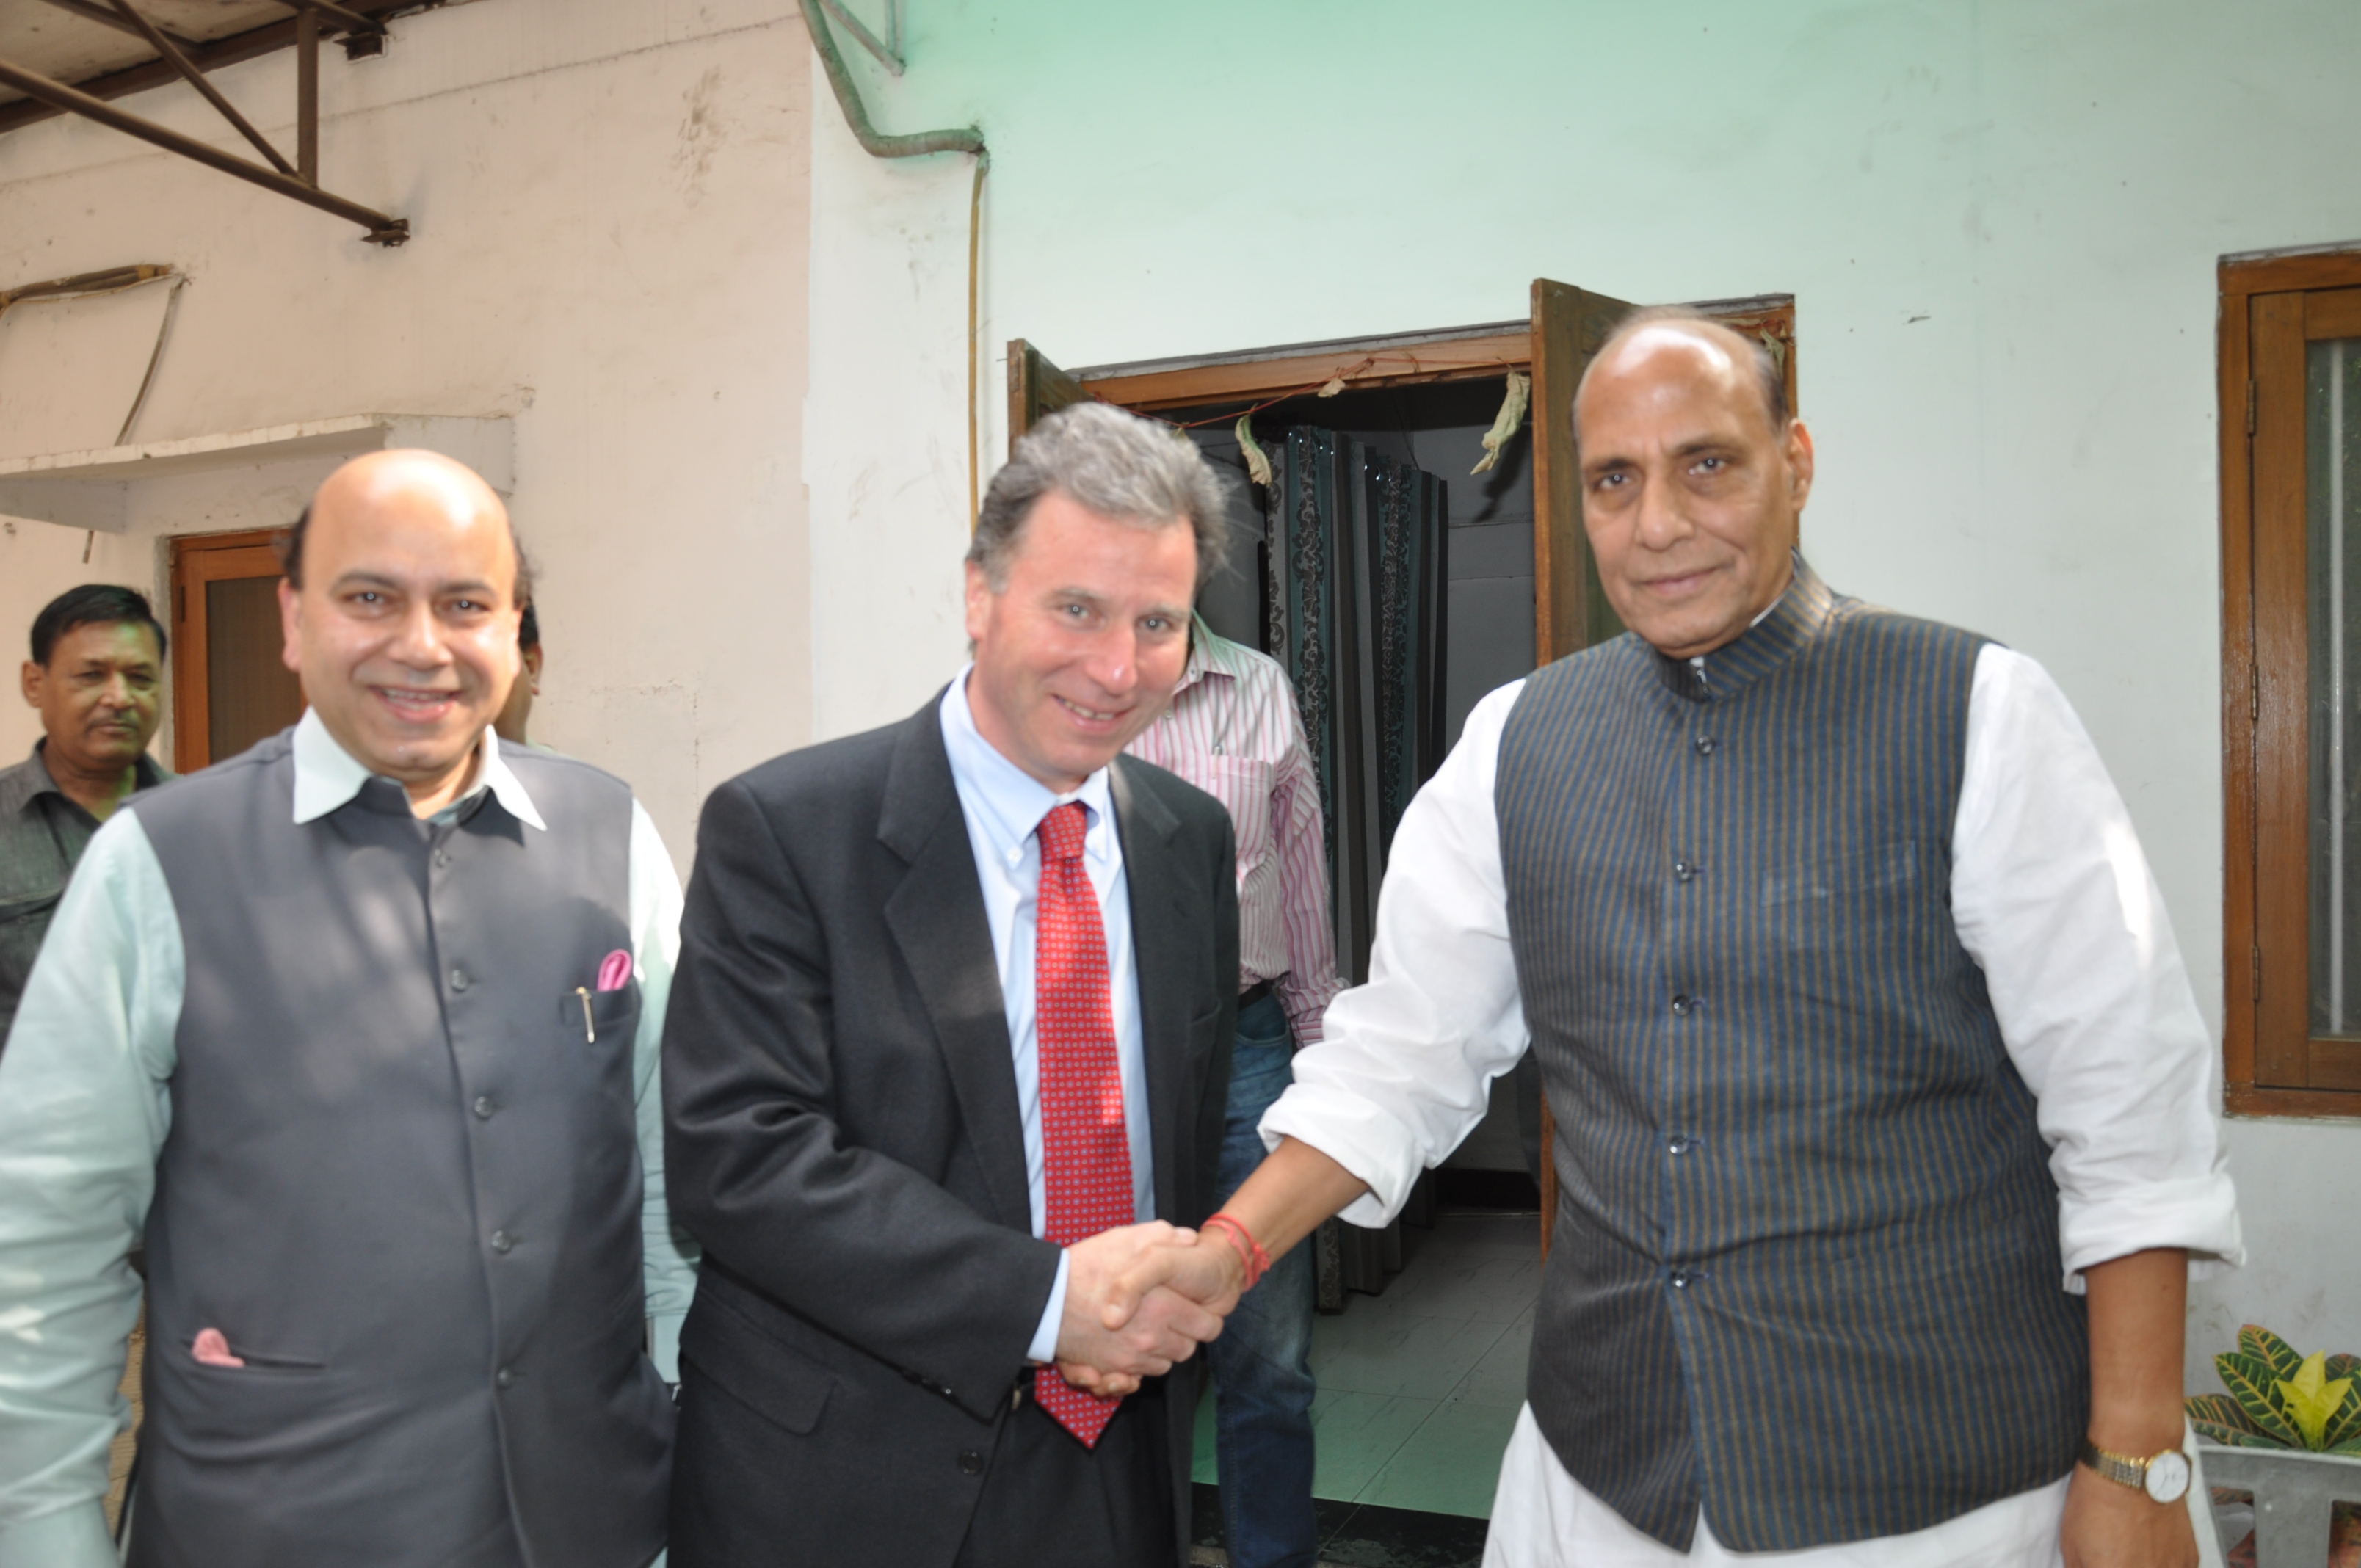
(1140, 1298)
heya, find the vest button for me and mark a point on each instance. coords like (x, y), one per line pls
(1680, 1279)
(971, 1462)
(442, 858)
(503, 1241)
(1684, 1006)
(1682, 871)
(1680, 1144)
(1705, 745)
(483, 1107)
(458, 980)
(503, 1378)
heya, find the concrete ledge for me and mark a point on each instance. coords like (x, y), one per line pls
(91, 488)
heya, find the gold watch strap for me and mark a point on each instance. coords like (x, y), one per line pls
(2119, 1468)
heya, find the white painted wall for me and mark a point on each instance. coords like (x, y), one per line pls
(2000, 220)
(611, 209)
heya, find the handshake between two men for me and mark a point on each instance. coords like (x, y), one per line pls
(1140, 1298)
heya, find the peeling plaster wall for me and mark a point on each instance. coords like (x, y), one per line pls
(610, 201)
(2001, 222)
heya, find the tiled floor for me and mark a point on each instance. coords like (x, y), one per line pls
(1419, 1387)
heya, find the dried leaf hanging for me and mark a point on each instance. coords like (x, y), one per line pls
(1332, 388)
(1258, 463)
(1511, 416)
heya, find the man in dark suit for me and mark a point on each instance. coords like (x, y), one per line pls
(947, 1049)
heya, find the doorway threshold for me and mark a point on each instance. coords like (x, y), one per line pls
(1358, 1535)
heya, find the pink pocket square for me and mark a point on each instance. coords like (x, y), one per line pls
(211, 1348)
(615, 970)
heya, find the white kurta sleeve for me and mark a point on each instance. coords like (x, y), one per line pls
(85, 1108)
(2054, 899)
(1405, 1068)
(669, 1255)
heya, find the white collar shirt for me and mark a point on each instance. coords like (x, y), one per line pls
(327, 776)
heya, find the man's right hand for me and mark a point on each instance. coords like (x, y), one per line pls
(1150, 1335)
(1209, 1272)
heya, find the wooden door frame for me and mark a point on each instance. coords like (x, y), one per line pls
(1037, 386)
(2256, 710)
(191, 693)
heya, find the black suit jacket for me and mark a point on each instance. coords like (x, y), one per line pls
(842, 1135)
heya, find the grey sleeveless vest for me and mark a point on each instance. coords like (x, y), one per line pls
(1805, 1265)
(402, 1181)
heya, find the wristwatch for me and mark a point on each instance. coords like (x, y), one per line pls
(2164, 1476)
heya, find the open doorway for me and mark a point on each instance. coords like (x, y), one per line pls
(230, 687)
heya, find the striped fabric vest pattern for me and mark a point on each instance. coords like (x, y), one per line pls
(1806, 1266)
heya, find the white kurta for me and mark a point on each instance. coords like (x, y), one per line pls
(2051, 896)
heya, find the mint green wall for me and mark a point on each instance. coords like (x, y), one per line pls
(2000, 220)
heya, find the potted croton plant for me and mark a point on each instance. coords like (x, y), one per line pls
(2292, 1424)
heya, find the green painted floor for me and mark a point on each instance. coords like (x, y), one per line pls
(1419, 1387)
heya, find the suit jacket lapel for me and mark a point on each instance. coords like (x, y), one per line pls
(1159, 949)
(936, 915)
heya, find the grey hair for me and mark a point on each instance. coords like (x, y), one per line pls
(1767, 374)
(1115, 464)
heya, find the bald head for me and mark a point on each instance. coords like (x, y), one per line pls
(400, 609)
(1658, 329)
(1693, 479)
(406, 477)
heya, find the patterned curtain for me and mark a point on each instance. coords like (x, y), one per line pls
(1355, 607)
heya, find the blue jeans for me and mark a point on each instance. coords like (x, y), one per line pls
(1262, 1367)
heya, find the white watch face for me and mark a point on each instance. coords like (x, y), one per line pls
(2168, 1476)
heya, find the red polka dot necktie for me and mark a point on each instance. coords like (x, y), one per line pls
(1088, 1158)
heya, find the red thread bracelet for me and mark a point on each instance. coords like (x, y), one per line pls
(1249, 1251)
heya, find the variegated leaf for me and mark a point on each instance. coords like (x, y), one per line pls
(2218, 1419)
(2250, 1381)
(2345, 1424)
(2310, 1400)
(2221, 1410)
(2259, 1340)
(2235, 1437)
(2344, 1364)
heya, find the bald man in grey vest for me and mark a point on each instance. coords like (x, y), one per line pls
(1885, 1139)
(360, 1027)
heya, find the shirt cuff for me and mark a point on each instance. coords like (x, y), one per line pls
(2199, 1214)
(1366, 1140)
(71, 1538)
(663, 1343)
(1043, 1348)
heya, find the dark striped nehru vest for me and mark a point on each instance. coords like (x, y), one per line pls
(402, 1180)
(1806, 1271)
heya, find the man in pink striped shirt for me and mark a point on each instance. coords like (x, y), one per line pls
(1233, 731)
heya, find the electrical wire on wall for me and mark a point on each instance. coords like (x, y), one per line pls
(93, 285)
(974, 343)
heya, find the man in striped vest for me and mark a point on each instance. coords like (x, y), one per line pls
(1885, 1139)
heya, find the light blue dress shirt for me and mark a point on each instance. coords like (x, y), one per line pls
(86, 1101)
(1004, 804)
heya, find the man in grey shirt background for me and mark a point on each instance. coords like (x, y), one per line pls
(359, 1030)
(96, 677)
